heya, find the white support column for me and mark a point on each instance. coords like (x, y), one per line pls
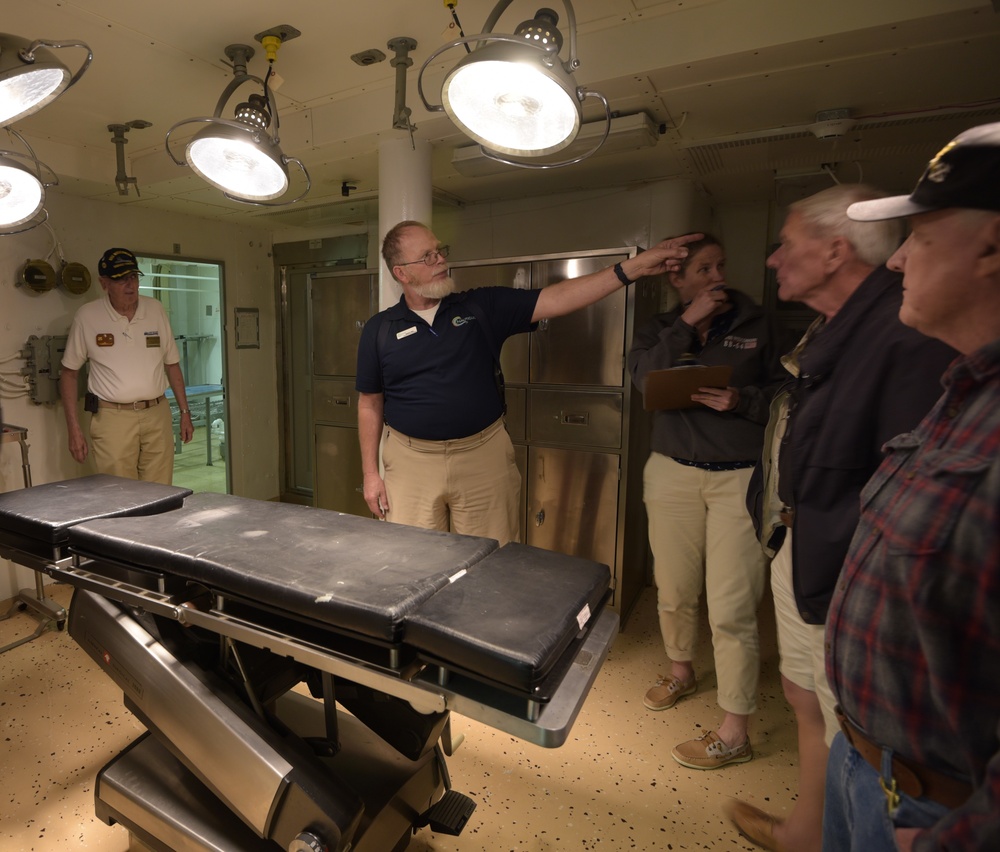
(404, 192)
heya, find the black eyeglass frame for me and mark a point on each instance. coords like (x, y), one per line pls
(430, 258)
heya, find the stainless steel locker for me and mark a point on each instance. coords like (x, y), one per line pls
(339, 479)
(580, 435)
(340, 304)
(587, 346)
(572, 502)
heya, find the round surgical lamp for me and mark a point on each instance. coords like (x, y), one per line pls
(31, 76)
(22, 193)
(241, 157)
(240, 166)
(507, 98)
(512, 94)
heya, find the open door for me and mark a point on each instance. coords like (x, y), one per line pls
(191, 291)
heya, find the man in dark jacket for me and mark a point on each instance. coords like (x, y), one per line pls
(859, 377)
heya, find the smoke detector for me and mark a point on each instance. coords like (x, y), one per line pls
(832, 123)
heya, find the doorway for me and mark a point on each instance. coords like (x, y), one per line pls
(191, 293)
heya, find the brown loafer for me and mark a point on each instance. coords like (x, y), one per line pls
(754, 824)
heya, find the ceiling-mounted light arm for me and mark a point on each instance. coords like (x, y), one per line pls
(240, 55)
(27, 55)
(481, 37)
(513, 94)
(242, 157)
(118, 131)
(584, 93)
(31, 76)
(571, 63)
(401, 61)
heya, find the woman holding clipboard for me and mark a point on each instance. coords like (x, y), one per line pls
(704, 447)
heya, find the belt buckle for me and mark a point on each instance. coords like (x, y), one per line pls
(891, 796)
(135, 405)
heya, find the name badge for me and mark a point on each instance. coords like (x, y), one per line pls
(406, 332)
(153, 341)
(106, 339)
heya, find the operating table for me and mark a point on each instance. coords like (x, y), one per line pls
(296, 668)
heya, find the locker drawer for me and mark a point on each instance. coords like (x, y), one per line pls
(517, 413)
(583, 418)
(339, 482)
(335, 401)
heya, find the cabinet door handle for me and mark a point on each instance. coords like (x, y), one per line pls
(574, 419)
(341, 400)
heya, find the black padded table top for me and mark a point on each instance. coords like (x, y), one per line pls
(45, 513)
(352, 573)
(511, 618)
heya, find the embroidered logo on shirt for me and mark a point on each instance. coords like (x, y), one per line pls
(105, 339)
(406, 332)
(733, 342)
(458, 322)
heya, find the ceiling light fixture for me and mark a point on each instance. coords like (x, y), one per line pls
(31, 76)
(242, 157)
(22, 190)
(513, 95)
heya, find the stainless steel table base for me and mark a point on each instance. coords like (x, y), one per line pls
(51, 615)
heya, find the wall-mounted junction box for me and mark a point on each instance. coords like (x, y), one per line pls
(44, 358)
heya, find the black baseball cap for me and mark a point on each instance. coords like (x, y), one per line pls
(965, 173)
(117, 263)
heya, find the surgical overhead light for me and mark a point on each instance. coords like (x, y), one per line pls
(512, 94)
(31, 76)
(22, 190)
(241, 156)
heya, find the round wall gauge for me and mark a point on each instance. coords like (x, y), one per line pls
(38, 275)
(75, 278)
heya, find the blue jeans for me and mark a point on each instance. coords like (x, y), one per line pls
(856, 817)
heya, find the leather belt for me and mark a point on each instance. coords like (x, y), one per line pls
(138, 405)
(787, 517)
(907, 777)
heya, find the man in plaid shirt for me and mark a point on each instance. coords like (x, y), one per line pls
(913, 631)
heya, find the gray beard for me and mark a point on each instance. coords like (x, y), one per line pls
(436, 289)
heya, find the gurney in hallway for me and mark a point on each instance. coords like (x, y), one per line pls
(296, 668)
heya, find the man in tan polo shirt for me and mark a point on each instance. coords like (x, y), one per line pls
(130, 346)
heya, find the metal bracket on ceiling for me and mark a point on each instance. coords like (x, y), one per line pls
(122, 180)
(402, 46)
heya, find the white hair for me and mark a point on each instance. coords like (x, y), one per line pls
(826, 214)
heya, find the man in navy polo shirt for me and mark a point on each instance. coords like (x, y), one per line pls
(427, 369)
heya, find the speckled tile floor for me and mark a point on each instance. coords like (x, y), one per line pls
(612, 786)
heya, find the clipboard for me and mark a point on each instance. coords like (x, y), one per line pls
(672, 388)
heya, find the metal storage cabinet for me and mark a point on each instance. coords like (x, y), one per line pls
(580, 435)
(340, 304)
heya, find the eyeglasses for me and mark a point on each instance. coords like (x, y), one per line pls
(432, 257)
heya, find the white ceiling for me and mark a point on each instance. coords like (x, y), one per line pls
(732, 83)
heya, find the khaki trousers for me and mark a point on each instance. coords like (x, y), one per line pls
(134, 444)
(701, 537)
(469, 486)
